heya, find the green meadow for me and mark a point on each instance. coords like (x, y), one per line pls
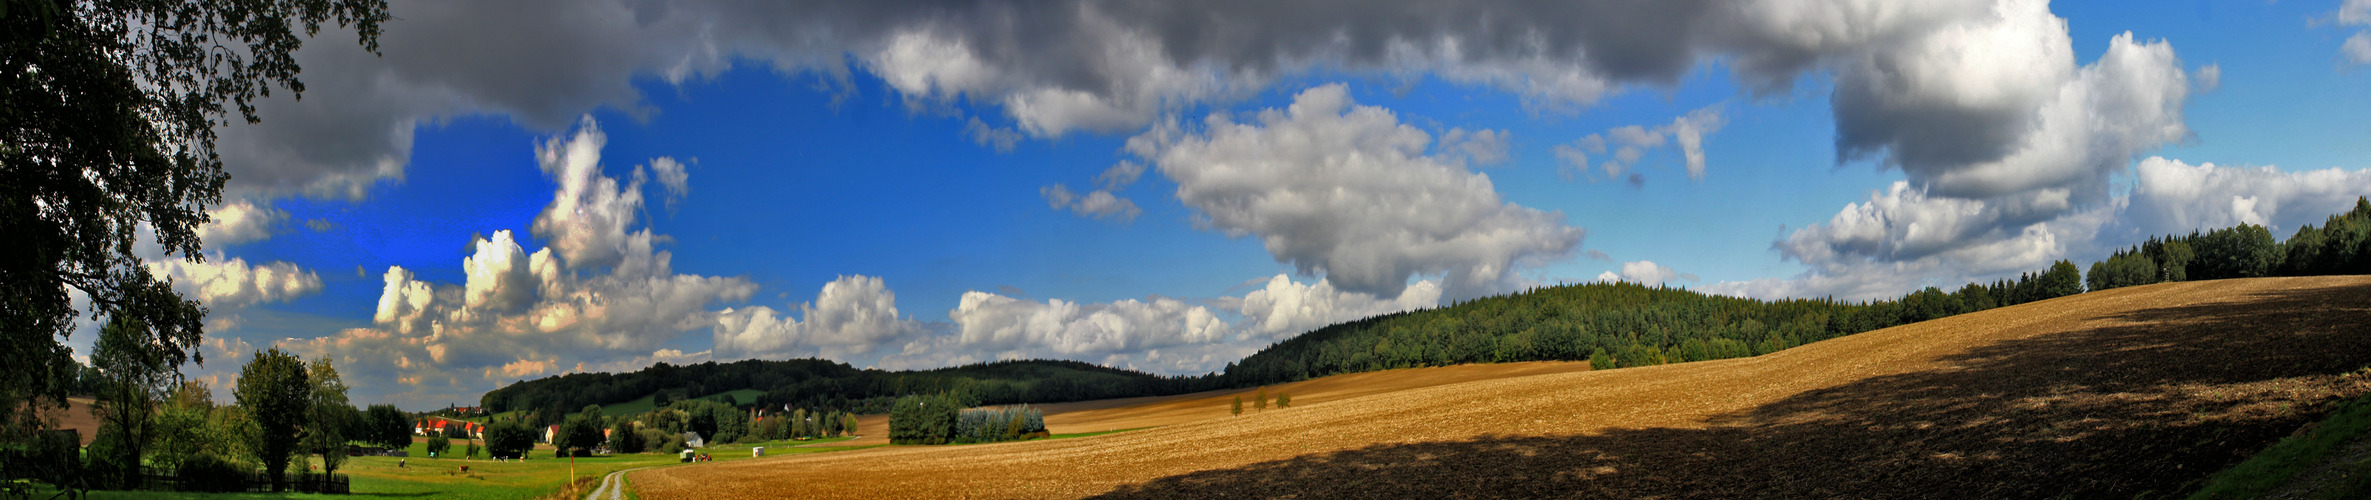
(538, 476)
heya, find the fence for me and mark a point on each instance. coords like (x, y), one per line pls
(254, 482)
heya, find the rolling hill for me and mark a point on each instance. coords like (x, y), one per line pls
(2125, 392)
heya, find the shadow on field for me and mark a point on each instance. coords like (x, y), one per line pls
(2146, 408)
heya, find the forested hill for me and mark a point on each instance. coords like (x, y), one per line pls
(1619, 325)
(1611, 325)
(816, 383)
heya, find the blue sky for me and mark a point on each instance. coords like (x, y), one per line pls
(497, 197)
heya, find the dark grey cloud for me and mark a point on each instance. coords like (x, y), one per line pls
(1051, 68)
(1973, 100)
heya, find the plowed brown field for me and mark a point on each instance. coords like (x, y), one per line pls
(77, 417)
(2114, 393)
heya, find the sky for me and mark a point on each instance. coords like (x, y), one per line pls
(517, 190)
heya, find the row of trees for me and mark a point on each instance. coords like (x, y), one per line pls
(827, 385)
(802, 424)
(285, 411)
(943, 419)
(2341, 245)
(1260, 402)
(1004, 423)
(1614, 325)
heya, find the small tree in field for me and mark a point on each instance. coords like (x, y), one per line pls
(437, 444)
(1260, 403)
(276, 393)
(1283, 400)
(1238, 406)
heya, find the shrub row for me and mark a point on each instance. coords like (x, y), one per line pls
(1010, 423)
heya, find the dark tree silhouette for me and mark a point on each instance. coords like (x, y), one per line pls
(108, 112)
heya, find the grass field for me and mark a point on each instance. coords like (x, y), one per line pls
(538, 476)
(641, 406)
(2132, 392)
(2323, 460)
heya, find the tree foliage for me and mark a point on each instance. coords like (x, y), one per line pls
(924, 419)
(135, 377)
(2341, 245)
(108, 112)
(622, 438)
(1006, 423)
(330, 421)
(581, 433)
(276, 394)
(385, 425)
(184, 427)
(509, 438)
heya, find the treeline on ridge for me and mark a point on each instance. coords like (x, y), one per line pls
(829, 385)
(1620, 325)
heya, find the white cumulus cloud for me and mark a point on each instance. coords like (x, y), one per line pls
(1099, 204)
(990, 322)
(2173, 197)
(598, 295)
(588, 216)
(1346, 192)
(1645, 272)
(673, 176)
(1284, 308)
(230, 283)
(852, 315)
(499, 274)
(1633, 142)
(2007, 144)
(238, 222)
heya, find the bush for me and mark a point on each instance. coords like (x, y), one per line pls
(660, 440)
(438, 444)
(923, 419)
(206, 472)
(988, 425)
(55, 457)
(623, 439)
(1600, 360)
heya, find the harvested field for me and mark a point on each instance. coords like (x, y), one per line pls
(2114, 393)
(77, 417)
(1157, 411)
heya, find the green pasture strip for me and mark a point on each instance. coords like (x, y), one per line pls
(2284, 460)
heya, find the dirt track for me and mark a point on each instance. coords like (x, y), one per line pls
(2104, 394)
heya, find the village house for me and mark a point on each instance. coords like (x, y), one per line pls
(433, 426)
